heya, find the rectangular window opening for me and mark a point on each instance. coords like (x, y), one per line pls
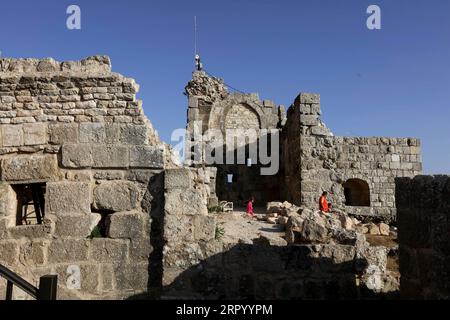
(30, 203)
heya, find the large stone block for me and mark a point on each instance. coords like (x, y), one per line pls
(133, 134)
(193, 114)
(68, 250)
(204, 227)
(34, 253)
(309, 98)
(61, 133)
(116, 196)
(68, 197)
(182, 202)
(12, 135)
(110, 156)
(109, 250)
(106, 277)
(147, 157)
(76, 156)
(74, 225)
(9, 251)
(132, 276)
(92, 132)
(89, 276)
(4, 224)
(31, 231)
(34, 134)
(8, 200)
(309, 120)
(140, 248)
(178, 179)
(29, 168)
(126, 225)
(320, 131)
(178, 229)
(112, 133)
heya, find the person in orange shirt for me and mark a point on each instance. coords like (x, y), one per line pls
(323, 203)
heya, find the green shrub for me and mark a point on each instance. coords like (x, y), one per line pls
(220, 232)
(215, 209)
(95, 233)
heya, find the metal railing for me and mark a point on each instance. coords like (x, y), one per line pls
(47, 285)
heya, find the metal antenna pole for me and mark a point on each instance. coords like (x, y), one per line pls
(195, 35)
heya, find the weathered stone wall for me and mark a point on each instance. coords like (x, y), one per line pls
(189, 230)
(291, 161)
(258, 271)
(313, 159)
(325, 162)
(213, 109)
(78, 127)
(423, 210)
(199, 265)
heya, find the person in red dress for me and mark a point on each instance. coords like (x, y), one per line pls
(250, 207)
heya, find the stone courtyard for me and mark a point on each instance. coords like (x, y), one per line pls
(86, 184)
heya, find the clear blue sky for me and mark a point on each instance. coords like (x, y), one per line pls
(389, 82)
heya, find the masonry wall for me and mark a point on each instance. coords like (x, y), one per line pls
(188, 228)
(326, 162)
(213, 109)
(259, 271)
(423, 209)
(198, 265)
(290, 155)
(77, 127)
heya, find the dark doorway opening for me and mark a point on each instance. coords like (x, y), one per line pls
(357, 193)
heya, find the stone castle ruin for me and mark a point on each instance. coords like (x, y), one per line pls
(90, 193)
(359, 172)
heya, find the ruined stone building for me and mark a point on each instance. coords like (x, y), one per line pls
(90, 193)
(359, 173)
(74, 134)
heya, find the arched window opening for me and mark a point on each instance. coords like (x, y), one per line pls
(357, 193)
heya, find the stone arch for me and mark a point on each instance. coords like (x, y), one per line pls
(241, 116)
(219, 110)
(357, 193)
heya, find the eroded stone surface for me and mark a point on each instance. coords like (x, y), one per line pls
(116, 196)
(77, 128)
(29, 168)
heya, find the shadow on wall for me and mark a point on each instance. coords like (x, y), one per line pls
(423, 216)
(247, 179)
(153, 203)
(258, 271)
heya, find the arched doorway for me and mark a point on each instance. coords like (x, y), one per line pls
(357, 193)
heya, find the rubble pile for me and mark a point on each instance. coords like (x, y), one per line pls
(281, 212)
(336, 229)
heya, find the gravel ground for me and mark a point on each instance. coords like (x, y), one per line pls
(239, 227)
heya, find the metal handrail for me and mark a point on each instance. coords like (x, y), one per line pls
(46, 290)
